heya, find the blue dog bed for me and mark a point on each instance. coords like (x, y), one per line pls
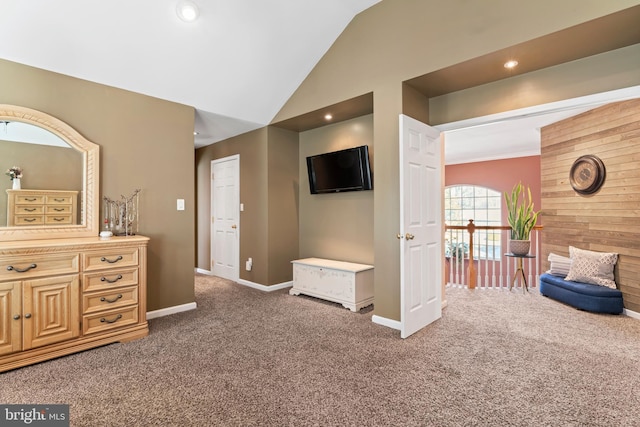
(583, 296)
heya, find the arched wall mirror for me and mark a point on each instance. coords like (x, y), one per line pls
(58, 195)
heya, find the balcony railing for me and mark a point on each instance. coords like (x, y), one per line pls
(475, 257)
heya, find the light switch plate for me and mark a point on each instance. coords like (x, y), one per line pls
(180, 204)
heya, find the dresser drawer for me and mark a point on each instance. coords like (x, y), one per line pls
(29, 210)
(58, 200)
(111, 319)
(57, 210)
(99, 301)
(20, 267)
(110, 258)
(28, 220)
(29, 199)
(115, 278)
(57, 219)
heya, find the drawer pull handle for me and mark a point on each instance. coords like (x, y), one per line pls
(103, 299)
(30, 209)
(16, 317)
(118, 317)
(59, 200)
(58, 219)
(18, 270)
(58, 209)
(29, 199)
(27, 316)
(103, 259)
(29, 219)
(104, 279)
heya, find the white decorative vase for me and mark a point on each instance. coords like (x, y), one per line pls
(519, 247)
(16, 183)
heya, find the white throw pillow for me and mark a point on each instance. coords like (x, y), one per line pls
(559, 265)
(592, 267)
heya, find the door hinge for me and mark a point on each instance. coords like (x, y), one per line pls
(212, 219)
(212, 264)
(212, 175)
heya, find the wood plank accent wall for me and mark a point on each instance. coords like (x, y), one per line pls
(609, 220)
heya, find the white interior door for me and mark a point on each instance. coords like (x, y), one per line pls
(225, 217)
(420, 225)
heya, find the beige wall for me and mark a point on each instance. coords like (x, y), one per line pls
(145, 143)
(607, 220)
(394, 41)
(268, 190)
(571, 80)
(338, 225)
(398, 40)
(283, 186)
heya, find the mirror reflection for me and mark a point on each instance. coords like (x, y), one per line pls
(49, 192)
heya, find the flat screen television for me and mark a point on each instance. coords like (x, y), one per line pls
(338, 171)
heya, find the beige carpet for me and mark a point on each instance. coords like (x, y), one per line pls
(248, 358)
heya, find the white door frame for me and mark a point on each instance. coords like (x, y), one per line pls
(233, 273)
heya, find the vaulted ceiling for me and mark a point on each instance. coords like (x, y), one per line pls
(237, 64)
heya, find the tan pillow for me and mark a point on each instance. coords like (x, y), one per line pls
(592, 267)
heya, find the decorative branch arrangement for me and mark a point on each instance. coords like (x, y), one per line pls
(14, 172)
(121, 216)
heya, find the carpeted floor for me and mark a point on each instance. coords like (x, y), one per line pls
(249, 358)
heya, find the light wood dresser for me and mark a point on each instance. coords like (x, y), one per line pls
(41, 207)
(61, 296)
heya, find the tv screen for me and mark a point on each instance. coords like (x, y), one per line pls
(338, 171)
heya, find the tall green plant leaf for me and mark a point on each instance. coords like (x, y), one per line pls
(521, 215)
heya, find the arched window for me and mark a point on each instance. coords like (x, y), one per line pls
(482, 205)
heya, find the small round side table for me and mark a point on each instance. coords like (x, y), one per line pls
(519, 271)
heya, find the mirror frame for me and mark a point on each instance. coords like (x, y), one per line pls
(90, 217)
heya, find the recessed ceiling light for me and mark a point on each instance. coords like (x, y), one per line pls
(187, 10)
(328, 117)
(510, 64)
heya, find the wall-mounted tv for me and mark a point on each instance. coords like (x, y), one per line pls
(338, 171)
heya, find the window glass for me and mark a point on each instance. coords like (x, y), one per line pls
(483, 205)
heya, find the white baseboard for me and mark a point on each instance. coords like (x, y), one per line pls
(630, 313)
(264, 288)
(253, 285)
(393, 324)
(171, 310)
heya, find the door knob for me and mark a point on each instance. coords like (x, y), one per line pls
(27, 316)
(409, 236)
(16, 317)
(234, 226)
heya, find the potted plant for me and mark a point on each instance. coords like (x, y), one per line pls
(521, 217)
(458, 250)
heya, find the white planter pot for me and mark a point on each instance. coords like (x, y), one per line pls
(519, 247)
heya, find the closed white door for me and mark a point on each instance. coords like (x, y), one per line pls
(420, 225)
(225, 217)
